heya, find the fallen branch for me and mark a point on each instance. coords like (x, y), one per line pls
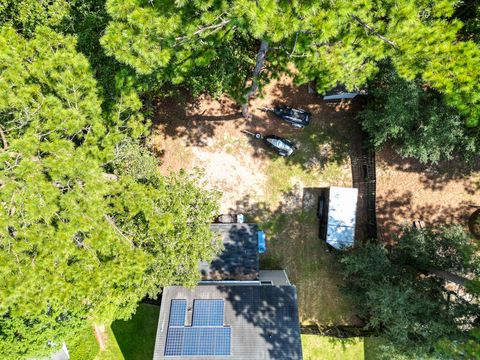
(369, 28)
(98, 330)
(4, 139)
(448, 276)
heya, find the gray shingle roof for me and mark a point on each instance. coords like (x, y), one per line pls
(239, 260)
(263, 320)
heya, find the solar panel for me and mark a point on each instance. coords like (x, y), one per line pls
(222, 341)
(208, 313)
(200, 342)
(177, 312)
(174, 345)
(206, 337)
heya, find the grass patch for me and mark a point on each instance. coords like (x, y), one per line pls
(293, 245)
(280, 175)
(112, 350)
(126, 340)
(283, 173)
(136, 337)
(316, 347)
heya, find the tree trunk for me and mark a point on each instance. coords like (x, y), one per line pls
(261, 55)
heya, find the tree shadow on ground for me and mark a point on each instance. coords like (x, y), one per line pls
(197, 121)
(324, 141)
(433, 176)
(136, 337)
(395, 209)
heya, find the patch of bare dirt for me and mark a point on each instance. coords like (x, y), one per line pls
(233, 174)
(437, 194)
(206, 133)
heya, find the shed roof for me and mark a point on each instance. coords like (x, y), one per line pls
(340, 92)
(261, 322)
(342, 208)
(239, 260)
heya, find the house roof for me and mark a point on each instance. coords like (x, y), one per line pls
(240, 322)
(342, 209)
(239, 260)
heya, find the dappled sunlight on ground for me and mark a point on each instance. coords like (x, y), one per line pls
(437, 194)
(317, 347)
(206, 133)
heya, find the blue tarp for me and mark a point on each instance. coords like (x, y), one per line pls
(262, 246)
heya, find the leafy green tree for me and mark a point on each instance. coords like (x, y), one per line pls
(84, 234)
(26, 15)
(469, 347)
(468, 12)
(344, 42)
(416, 120)
(410, 309)
(447, 248)
(466, 349)
(340, 41)
(190, 43)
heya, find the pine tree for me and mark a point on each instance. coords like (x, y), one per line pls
(81, 238)
(330, 42)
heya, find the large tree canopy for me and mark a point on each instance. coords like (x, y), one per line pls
(331, 42)
(26, 15)
(416, 121)
(409, 307)
(86, 231)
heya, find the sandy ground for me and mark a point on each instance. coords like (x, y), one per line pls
(206, 134)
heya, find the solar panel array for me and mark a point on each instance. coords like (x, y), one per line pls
(206, 337)
(198, 341)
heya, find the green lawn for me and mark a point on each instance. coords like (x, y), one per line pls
(126, 340)
(316, 347)
(136, 337)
